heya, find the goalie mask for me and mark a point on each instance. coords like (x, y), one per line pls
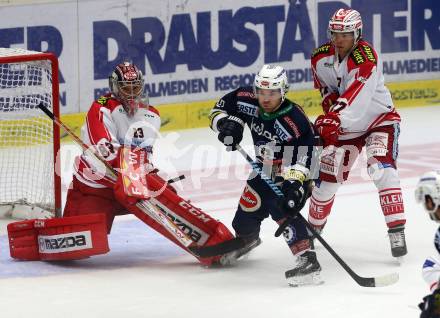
(344, 21)
(428, 193)
(271, 83)
(127, 85)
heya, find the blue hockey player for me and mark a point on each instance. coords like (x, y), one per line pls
(428, 193)
(283, 138)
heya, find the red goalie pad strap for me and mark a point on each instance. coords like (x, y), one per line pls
(58, 239)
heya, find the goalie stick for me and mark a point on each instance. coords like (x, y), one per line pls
(235, 244)
(143, 205)
(378, 281)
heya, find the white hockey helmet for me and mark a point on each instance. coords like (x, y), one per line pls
(428, 187)
(272, 77)
(346, 20)
(126, 83)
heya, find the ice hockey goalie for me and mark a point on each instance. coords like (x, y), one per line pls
(120, 130)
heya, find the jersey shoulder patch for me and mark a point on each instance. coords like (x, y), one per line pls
(323, 49)
(369, 52)
(103, 100)
(363, 53)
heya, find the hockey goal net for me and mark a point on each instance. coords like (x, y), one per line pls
(29, 141)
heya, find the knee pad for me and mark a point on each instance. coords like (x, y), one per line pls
(384, 176)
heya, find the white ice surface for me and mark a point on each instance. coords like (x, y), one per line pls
(144, 275)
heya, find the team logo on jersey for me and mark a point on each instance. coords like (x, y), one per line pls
(250, 200)
(281, 131)
(259, 129)
(247, 109)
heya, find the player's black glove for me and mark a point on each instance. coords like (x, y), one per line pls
(430, 306)
(230, 131)
(294, 192)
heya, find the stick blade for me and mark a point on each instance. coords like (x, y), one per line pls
(386, 280)
(218, 249)
(379, 281)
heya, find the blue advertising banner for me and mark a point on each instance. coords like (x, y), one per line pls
(197, 50)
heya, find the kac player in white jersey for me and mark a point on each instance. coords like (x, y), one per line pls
(358, 111)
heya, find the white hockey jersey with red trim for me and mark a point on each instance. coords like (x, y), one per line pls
(364, 102)
(107, 127)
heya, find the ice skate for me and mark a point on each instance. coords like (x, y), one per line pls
(306, 271)
(397, 242)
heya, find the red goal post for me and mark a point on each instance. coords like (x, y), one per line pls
(29, 140)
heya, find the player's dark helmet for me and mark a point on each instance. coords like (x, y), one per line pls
(126, 83)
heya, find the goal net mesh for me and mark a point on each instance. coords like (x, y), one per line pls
(26, 133)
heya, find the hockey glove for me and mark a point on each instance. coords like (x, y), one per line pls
(230, 131)
(293, 190)
(430, 306)
(328, 127)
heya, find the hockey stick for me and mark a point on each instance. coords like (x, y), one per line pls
(175, 179)
(143, 205)
(379, 281)
(222, 248)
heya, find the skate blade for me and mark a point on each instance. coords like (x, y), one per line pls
(232, 258)
(305, 280)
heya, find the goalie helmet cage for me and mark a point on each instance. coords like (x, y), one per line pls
(29, 140)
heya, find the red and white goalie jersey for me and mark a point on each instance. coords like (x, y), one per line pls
(107, 127)
(364, 102)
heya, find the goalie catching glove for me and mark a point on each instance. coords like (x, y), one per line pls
(230, 131)
(293, 188)
(131, 185)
